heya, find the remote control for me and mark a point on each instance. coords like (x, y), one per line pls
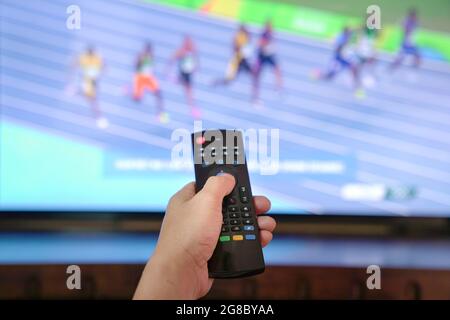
(238, 252)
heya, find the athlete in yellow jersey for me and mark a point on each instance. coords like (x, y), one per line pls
(239, 62)
(91, 66)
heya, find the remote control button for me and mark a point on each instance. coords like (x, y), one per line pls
(250, 237)
(234, 222)
(249, 228)
(248, 221)
(200, 140)
(238, 237)
(235, 228)
(231, 200)
(244, 199)
(224, 229)
(224, 238)
(232, 209)
(234, 215)
(245, 209)
(246, 215)
(243, 190)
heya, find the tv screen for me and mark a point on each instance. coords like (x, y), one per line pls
(354, 100)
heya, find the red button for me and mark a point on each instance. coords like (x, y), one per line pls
(200, 140)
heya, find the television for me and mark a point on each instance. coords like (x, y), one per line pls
(93, 93)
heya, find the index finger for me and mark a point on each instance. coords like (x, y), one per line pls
(262, 204)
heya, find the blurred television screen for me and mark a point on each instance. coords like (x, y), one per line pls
(92, 92)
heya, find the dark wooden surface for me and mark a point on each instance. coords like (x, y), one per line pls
(278, 282)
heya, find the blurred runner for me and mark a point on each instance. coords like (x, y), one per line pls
(341, 62)
(366, 55)
(187, 60)
(239, 62)
(144, 79)
(91, 66)
(266, 57)
(408, 46)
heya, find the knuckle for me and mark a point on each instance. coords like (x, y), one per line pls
(208, 196)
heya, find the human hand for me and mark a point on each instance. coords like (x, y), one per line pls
(191, 227)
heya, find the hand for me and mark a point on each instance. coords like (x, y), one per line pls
(190, 230)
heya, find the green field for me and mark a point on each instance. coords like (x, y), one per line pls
(433, 14)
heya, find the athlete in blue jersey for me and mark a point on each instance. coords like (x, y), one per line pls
(408, 46)
(341, 62)
(266, 57)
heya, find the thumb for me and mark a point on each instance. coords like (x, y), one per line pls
(184, 194)
(217, 187)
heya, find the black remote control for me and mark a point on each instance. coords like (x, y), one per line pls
(238, 252)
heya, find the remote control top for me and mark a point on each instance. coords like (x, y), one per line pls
(238, 252)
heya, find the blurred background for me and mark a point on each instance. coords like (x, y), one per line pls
(91, 92)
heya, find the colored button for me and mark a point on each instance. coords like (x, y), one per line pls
(200, 140)
(250, 237)
(238, 237)
(224, 238)
(249, 228)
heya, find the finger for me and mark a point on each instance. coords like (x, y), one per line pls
(262, 204)
(265, 237)
(267, 223)
(217, 187)
(184, 194)
(210, 283)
